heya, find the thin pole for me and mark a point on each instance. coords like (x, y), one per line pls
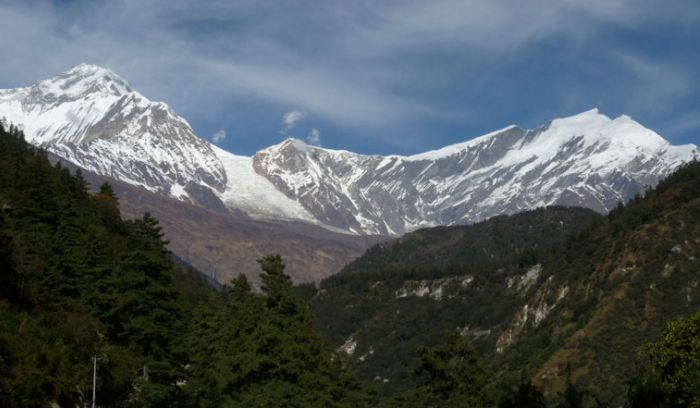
(94, 379)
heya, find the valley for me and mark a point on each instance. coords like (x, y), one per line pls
(543, 263)
(349, 204)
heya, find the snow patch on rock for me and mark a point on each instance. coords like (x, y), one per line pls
(436, 289)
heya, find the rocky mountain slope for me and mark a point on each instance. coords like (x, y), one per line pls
(586, 160)
(539, 294)
(223, 245)
(91, 117)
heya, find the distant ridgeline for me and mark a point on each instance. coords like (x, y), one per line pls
(558, 298)
(554, 299)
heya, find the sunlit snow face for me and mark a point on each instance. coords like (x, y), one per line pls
(89, 116)
(586, 159)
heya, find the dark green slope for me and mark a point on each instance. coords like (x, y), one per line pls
(76, 281)
(447, 251)
(627, 279)
(415, 290)
(551, 305)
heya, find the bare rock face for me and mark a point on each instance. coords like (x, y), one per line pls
(223, 246)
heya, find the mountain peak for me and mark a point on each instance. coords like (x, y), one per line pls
(290, 143)
(88, 68)
(90, 116)
(622, 132)
(585, 120)
(590, 112)
(84, 79)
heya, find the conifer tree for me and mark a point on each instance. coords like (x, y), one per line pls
(107, 190)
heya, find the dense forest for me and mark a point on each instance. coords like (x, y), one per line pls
(558, 298)
(418, 289)
(77, 283)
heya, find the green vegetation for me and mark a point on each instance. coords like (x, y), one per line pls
(523, 239)
(364, 300)
(543, 308)
(555, 298)
(452, 376)
(77, 281)
(260, 350)
(669, 375)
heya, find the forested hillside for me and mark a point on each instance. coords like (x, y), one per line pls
(419, 289)
(556, 297)
(78, 282)
(556, 300)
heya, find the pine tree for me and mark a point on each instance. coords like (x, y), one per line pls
(262, 350)
(8, 277)
(107, 190)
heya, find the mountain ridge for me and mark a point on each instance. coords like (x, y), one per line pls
(556, 296)
(586, 159)
(91, 117)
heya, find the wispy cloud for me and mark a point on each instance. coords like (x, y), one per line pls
(328, 96)
(384, 71)
(218, 136)
(685, 123)
(314, 137)
(655, 83)
(290, 120)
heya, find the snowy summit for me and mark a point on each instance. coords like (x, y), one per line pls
(91, 117)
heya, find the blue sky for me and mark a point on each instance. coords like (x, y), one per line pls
(374, 76)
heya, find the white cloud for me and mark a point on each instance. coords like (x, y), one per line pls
(290, 120)
(219, 136)
(314, 137)
(361, 64)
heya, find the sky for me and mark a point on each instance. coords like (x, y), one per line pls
(374, 77)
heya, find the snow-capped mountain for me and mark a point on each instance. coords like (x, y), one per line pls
(585, 160)
(89, 116)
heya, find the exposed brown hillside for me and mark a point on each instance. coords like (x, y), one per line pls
(650, 276)
(224, 245)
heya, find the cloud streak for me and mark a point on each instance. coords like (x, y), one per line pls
(377, 69)
(655, 82)
(314, 137)
(689, 122)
